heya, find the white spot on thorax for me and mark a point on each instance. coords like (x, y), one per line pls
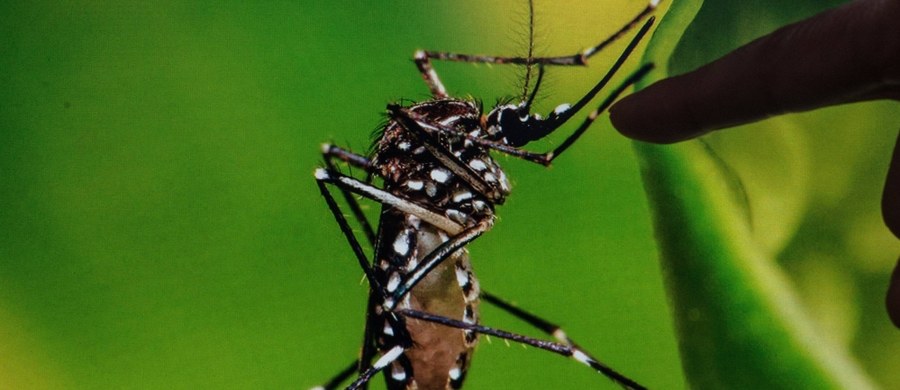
(461, 196)
(477, 165)
(401, 244)
(415, 185)
(456, 216)
(388, 329)
(403, 145)
(440, 175)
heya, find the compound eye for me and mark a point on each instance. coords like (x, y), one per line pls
(517, 128)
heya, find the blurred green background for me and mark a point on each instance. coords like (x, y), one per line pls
(810, 188)
(162, 229)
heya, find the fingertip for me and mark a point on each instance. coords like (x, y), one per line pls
(635, 117)
(624, 119)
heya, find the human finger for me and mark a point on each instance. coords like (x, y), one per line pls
(846, 54)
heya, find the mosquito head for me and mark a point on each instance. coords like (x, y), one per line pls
(515, 125)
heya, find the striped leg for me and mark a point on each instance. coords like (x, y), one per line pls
(330, 153)
(578, 59)
(548, 157)
(423, 58)
(570, 350)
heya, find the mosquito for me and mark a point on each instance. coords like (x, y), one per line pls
(440, 190)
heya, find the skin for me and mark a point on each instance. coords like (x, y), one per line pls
(847, 54)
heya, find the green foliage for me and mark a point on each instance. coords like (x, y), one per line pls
(729, 208)
(162, 229)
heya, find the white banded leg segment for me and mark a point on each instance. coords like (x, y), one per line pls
(389, 357)
(431, 77)
(384, 197)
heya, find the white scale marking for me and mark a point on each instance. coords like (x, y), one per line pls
(388, 357)
(440, 175)
(393, 282)
(401, 244)
(398, 373)
(462, 276)
(391, 199)
(560, 335)
(412, 263)
(477, 165)
(448, 120)
(415, 185)
(431, 189)
(461, 196)
(388, 330)
(403, 145)
(456, 216)
(581, 357)
(455, 373)
(561, 108)
(468, 319)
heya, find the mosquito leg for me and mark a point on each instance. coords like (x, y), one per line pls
(431, 77)
(562, 349)
(331, 152)
(438, 255)
(348, 233)
(545, 326)
(376, 290)
(578, 59)
(340, 377)
(384, 197)
(368, 349)
(633, 78)
(539, 158)
(382, 362)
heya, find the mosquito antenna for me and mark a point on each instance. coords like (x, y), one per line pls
(529, 63)
(537, 84)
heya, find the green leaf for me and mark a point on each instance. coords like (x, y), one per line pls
(739, 321)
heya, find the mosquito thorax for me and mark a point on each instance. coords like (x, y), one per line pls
(408, 167)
